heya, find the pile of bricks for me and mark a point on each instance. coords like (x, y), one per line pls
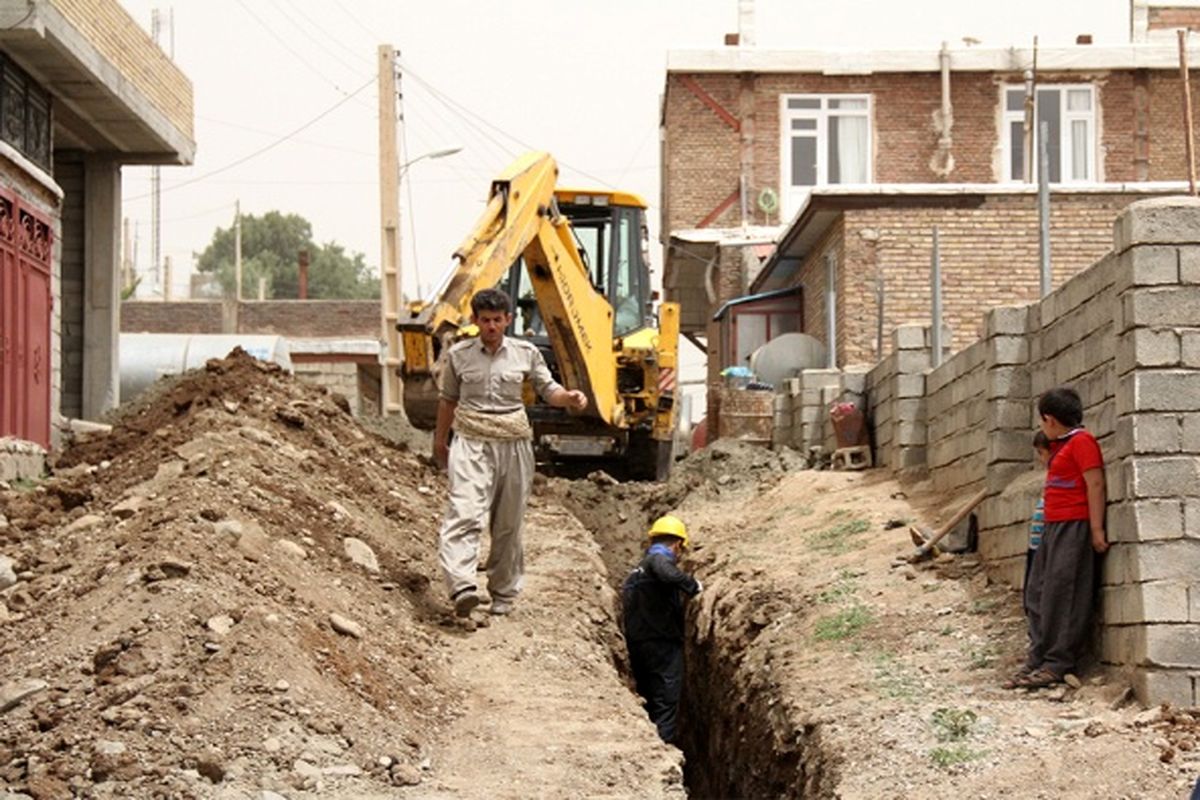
(896, 392)
(21, 460)
(802, 405)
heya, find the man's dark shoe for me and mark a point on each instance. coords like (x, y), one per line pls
(465, 602)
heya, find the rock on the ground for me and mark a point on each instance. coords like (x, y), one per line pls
(14, 693)
(8, 575)
(221, 624)
(405, 775)
(291, 549)
(84, 523)
(129, 507)
(253, 543)
(211, 765)
(345, 626)
(361, 553)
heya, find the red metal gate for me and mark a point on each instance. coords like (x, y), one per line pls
(25, 308)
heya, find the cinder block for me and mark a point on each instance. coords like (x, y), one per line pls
(910, 386)
(1169, 305)
(1147, 347)
(1189, 263)
(1000, 476)
(1156, 686)
(1169, 476)
(1163, 220)
(908, 337)
(791, 386)
(911, 434)
(1173, 645)
(1189, 351)
(1016, 414)
(818, 378)
(1007, 350)
(1154, 602)
(1163, 390)
(782, 402)
(912, 361)
(855, 382)
(1008, 382)
(1148, 265)
(1145, 520)
(1155, 433)
(1122, 644)
(1006, 321)
(1008, 445)
(1190, 432)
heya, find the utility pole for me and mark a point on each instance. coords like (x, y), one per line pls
(389, 221)
(166, 293)
(156, 172)
(1043, 204)
(1187, 113)
(237, 249)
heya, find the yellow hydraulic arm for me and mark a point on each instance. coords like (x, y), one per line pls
(522, 219)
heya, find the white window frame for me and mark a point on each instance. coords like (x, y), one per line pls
(794, 196)
(1066, 141)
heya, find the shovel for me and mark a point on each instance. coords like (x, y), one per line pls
(927, 545)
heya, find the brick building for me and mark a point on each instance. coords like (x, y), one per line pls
(855, 156)
(83, 91)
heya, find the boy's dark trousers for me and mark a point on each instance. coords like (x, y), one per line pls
(658, 671)
(1060, 596)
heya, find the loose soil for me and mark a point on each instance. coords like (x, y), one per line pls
(188, 621)
(820, 665)
(235, 595)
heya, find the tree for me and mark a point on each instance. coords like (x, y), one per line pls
(271, 246)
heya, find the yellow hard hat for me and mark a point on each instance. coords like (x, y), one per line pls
(669, 526)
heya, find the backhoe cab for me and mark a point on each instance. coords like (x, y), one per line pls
(575, 263)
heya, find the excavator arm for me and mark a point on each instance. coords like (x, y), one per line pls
(521, 219)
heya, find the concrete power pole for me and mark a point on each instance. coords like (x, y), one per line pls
(389, 220)
(237, 249)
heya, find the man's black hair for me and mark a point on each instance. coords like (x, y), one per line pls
(491, 300)
(1041, 441)
(1063, 404)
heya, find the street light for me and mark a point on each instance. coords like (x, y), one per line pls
(449, 151)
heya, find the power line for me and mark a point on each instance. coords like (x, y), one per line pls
(464, 110)
(271, 146)
(350, 16)
(309, 142)
(324, 32)
(283, 43)
(318, 41)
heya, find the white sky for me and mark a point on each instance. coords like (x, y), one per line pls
(581, 80)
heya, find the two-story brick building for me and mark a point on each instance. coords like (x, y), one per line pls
(83, 91)
(856, 156)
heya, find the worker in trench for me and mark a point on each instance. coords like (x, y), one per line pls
(652, 599)
(491, 458)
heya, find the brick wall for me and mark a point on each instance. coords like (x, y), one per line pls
(989, 256)
(129, 48)
(702, 152)
(352, 319)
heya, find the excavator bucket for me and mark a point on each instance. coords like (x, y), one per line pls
(421, 401)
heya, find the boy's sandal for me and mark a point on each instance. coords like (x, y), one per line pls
(1014, 682)
(1039, 679)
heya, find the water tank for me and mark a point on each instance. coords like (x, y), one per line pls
(786, 356)
(146, 357)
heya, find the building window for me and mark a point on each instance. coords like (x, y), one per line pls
(1070, 113)
(826, 140)
(25, 120)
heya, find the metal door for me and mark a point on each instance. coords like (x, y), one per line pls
(25, 317)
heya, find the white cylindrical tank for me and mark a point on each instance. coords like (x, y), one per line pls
(146, 357)
(786, 356)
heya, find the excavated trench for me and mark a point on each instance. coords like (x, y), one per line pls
(739, 734)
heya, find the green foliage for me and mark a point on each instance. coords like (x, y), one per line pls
(838, 539)
(841, 625)
(953, 724)
(271, 245)
(950, 756)
(893, 680)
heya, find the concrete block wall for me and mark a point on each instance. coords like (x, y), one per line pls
(1125, 334)
(1151, 575)
(340, 378)
(895, 390)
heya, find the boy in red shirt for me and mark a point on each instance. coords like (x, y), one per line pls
(1061, 593)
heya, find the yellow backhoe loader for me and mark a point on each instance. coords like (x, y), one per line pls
(575, 263)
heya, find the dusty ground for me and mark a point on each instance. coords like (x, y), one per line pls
(236, 594)
(820, 667)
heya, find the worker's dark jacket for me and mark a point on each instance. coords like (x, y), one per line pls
(651, 597)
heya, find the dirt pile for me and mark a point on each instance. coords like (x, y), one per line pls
(619, 514)
(232, 591)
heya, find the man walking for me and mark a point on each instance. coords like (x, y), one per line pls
(491, 459)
